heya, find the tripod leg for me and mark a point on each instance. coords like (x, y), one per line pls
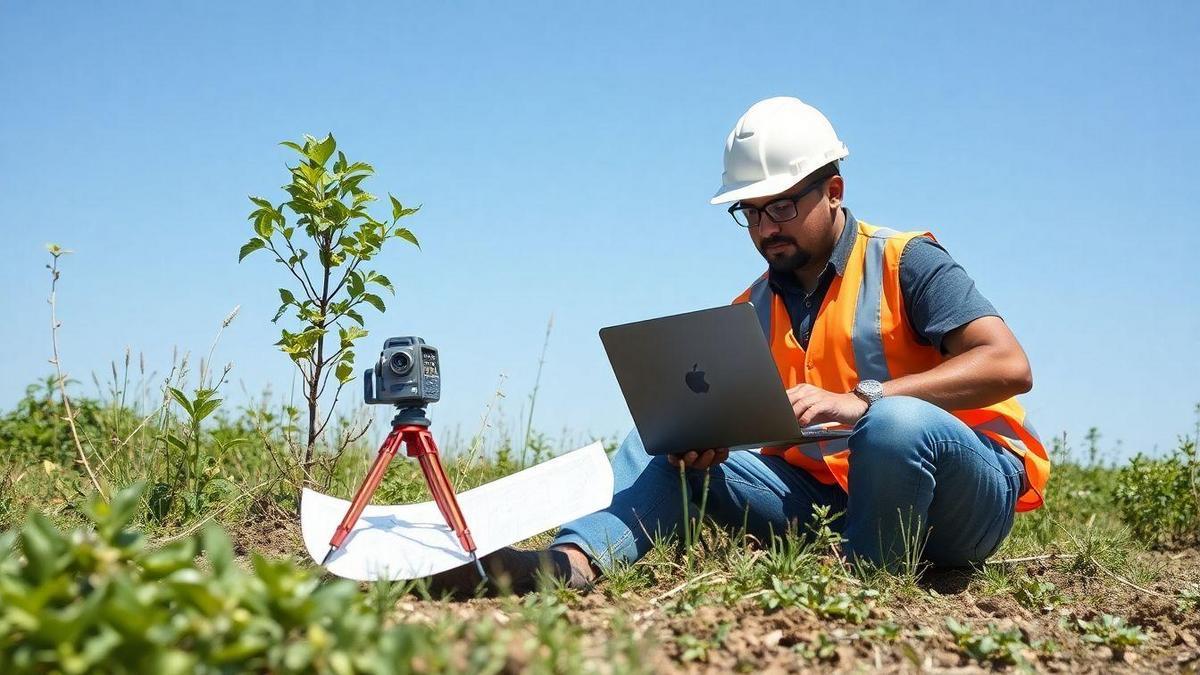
(363, 496)
(439, 485)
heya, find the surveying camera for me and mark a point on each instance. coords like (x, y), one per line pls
(407, 375)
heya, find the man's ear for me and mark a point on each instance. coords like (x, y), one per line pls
(837, 189)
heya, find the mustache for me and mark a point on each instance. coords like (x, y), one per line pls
(777, 239)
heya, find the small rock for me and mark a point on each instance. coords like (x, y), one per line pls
(1188, 638)
(771, 640)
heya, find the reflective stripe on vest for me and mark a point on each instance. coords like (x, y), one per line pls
(868, 329)
(862, 332)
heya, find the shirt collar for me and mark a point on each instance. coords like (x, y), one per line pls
(838, 258)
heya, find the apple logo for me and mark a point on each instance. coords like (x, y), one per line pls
(695, 380)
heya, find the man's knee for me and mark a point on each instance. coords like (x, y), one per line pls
(895, 427)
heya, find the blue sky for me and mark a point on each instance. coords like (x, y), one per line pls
(564, 154)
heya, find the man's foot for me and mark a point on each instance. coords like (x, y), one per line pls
(512, 569)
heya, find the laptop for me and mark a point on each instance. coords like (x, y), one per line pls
(705, 380)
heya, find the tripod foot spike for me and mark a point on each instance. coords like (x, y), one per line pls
(328, 555)
(478, 567)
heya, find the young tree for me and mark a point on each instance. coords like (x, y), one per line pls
(329, 206)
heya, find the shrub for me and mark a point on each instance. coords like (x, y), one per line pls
(35, 429)
(1159, 499)
(101, 599)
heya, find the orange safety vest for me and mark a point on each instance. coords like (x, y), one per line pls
(862, 332)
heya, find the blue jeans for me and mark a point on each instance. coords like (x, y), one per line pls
(914, 468)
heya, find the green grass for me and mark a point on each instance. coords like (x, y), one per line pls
(82, 583)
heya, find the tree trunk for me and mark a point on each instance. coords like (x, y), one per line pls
(318, 368)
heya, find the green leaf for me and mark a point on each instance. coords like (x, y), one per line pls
(294, 146)
(182, 399)
(262, 202)
(345, 372)
(207, 408)
(168, 559)
(347, 336)
(407, 236)
(123, 505)
(312, 174)
(177, 442)
(286, 297)
(43, 545)
(322, 151)
(383, 281)
(264, 225)
(374, 300)
(353, 314)
(354, 284)
(397, 207)
(250, 247)
(337, 212)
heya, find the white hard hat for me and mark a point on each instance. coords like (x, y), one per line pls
(774, 145)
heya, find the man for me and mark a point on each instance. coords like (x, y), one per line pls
(869, 327)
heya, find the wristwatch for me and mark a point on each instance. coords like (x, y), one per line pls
(869, 391)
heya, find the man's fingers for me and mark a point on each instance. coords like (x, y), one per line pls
(815, 414)
(685, 459)
(799, 408)
(800, 391)
(699, 460)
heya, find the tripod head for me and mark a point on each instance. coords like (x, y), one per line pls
(410, 416)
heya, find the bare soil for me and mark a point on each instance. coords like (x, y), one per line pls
(905, 633)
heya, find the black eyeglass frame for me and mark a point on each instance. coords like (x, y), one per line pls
(794, 200)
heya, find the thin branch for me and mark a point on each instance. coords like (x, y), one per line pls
(1127, 582)
(1033, 558)
(345, 277)
(303, 268)
(689, 582)
(347, 440)
(311, 293)
(1102, 568)
(332, 407)
(62, 381)
(329, 371)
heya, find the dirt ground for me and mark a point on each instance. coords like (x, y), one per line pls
(902, 634)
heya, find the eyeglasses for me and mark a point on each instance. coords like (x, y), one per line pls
(779, 211)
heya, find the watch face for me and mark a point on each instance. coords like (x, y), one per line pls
(871, 389)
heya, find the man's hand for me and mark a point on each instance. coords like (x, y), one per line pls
(813, 405)
(699, 460)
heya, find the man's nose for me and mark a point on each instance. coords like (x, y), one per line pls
(766, 226)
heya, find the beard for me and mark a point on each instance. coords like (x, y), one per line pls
(783, 261)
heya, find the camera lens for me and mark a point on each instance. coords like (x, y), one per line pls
(400, 363)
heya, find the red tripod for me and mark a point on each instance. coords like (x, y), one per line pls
(410, 427)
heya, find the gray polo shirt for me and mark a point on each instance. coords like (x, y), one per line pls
(939, 296)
